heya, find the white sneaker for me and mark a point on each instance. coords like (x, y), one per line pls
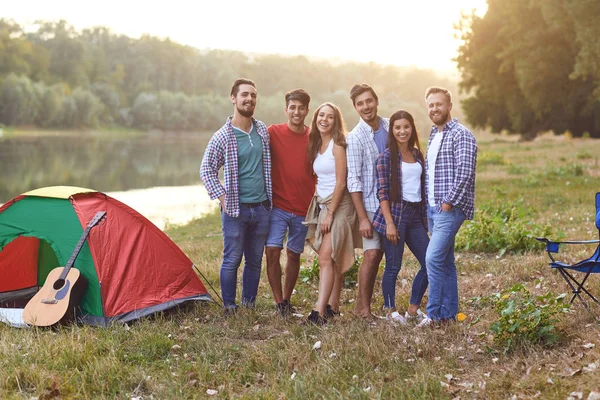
(397, 318)
(425, 322)
(415, 318)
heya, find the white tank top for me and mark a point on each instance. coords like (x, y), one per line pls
(411, 181)
(324, 167)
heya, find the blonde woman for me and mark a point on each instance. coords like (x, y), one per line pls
(332, 222)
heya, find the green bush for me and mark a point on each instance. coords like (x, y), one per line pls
(490, 158)
(524, 319)
(311, 272)
(583, 155)
(515, 169)
(507, 227)
(567, 171)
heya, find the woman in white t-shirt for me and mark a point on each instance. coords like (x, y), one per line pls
(401, 217)
(331, 218)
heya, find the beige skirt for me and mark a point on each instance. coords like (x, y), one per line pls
(345, 235)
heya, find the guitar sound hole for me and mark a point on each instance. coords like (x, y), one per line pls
(58, 284)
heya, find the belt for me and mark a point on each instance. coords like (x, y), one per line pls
(412, 204)
(266, 204)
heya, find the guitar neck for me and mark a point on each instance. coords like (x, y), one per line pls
(99, 215)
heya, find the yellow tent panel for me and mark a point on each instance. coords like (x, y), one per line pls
(59, 192)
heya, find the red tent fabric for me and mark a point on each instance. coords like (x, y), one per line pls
(132, 268)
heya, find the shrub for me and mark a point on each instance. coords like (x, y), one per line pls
(505, 227)
(487, 158)
(524, 319)
(570, 170)
(583, 155)
(311, 273)
(515, 169)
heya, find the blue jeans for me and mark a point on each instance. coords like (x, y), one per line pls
(245, 235)
(412, 232)
(282, 222)
(441, 269)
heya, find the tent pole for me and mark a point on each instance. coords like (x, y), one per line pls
(209, 284)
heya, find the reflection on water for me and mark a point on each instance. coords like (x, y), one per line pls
(168, 205)
(103, 163)
(165, 166)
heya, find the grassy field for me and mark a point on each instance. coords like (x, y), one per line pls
(523, 189)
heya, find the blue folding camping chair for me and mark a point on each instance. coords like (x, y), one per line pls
(587, 267)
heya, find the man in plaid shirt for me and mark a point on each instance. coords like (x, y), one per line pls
(366, 141)
(241, 148)
(450, 186)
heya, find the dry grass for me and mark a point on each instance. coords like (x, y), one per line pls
(184, 353)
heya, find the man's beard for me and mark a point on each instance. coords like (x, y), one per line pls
(245, 113)
(442, 118)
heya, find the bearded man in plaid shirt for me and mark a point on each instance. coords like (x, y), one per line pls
(241, 148)
(450, 188)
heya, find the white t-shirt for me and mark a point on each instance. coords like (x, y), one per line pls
(324, 167)
(432, 153)
(411, 181)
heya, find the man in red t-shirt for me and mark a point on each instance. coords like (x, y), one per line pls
(293, 189)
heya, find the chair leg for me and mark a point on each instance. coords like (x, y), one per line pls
(568, 277)
(582, 287)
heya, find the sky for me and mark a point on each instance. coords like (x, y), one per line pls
(399, 32)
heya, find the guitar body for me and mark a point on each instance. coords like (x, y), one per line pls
(57, 300)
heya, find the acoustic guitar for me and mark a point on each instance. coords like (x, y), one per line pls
(57, 300)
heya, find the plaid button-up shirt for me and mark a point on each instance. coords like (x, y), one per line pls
(454, 180)
(222, 151)
(362, 156)
(384, 185)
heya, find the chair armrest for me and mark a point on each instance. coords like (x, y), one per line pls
(567, 241)
(553, 246)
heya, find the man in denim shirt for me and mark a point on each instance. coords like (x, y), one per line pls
(241, 148)
(450, 186)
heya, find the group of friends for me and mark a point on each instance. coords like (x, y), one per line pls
(335, 192)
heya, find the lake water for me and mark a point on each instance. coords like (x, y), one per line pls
(154, 173)
(172, 205)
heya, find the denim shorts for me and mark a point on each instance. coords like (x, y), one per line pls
(283, 222)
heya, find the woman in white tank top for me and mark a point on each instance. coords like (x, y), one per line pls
(401, 217)
(331, 218)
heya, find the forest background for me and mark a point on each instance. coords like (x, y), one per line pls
(524, 66)
(56, 77)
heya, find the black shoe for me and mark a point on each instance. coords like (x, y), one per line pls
(330, 313)
(289, 307)
(284, 309)
(316, 319)
(230, 312)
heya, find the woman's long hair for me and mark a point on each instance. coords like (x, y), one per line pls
(413, 143)
(338, 132)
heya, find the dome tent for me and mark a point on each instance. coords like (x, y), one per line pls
(132, 268)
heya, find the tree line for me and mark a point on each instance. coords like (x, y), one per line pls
(532, 65)
(53, 76)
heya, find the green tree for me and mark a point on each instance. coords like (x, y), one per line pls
(19, 103)
(518, 63)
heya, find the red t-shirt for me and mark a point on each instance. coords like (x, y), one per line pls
(292, 176)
